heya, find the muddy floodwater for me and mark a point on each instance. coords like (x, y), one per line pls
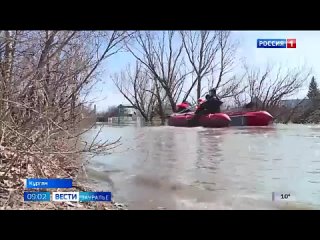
(200, 168)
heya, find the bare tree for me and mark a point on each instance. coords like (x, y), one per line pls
(138, 88)
(270, 88)
(212, 57)
(227, 50)
(201, 48)
(41, 78)
(163, 57)
(161, 103)
(232, 88)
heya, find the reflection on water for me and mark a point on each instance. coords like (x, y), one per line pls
(203, 168)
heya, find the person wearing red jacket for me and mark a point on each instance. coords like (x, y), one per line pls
(183, 107)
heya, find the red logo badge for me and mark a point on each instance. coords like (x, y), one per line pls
(291, 43)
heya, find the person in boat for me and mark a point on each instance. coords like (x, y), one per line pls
(184, 107)
(200, 101)
(249, 105)
(212, 105)
(213, 93)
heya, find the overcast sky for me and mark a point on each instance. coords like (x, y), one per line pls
(306, 54)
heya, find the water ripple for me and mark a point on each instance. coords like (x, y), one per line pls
(314, 181)
(166, 162)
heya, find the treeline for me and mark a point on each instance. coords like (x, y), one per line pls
(311, 112)
(171, 66)
(103, 116)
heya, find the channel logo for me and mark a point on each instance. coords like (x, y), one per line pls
(81, 196)
(277, 43)
(65, 196)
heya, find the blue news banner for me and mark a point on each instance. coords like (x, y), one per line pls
(61, 196)
(36, 196)
(67, 196)
(271, 43)
(48, 183)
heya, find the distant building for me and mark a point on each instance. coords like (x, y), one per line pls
(288, 103)
(127, 110)
(126, 114)
(292, 103)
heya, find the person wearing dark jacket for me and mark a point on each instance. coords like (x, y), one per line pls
(249, 105)
(212, 105)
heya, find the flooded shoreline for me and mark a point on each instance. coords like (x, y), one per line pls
(199, 168)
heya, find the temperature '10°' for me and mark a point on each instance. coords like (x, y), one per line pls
(285, 196)
(276, 196)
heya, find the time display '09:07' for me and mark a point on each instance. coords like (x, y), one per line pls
(36, 196)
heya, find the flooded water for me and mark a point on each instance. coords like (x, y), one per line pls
(200, 168)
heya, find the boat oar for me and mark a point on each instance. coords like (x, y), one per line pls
(188, 108)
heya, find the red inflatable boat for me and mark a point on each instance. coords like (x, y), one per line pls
(216, 120)
(259, 118)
